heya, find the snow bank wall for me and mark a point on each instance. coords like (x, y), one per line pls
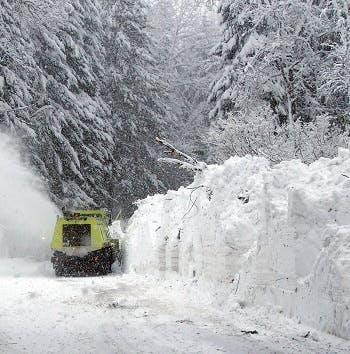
(272, 236)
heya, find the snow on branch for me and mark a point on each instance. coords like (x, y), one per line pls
(180, 158)
(175, 152)
(40, 110)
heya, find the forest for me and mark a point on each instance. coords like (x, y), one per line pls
(86, 86)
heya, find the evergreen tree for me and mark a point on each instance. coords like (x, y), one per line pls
(77, 85)
(272, 61)
(54, 76)
(133, 93)
(334, 78)
(185, 32)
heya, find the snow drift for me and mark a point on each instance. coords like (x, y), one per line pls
(272, 236)
(27, 216)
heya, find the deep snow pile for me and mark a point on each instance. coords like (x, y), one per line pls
(273, 236)
(27, 216)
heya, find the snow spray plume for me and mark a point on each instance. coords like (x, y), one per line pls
(27, 216)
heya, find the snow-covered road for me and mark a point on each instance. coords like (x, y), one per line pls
(132, 314)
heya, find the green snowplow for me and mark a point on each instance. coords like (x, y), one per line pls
(81, 243)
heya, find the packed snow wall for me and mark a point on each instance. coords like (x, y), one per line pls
(272, 236)
(27, 216)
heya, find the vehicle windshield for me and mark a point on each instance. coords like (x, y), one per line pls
(76, 235)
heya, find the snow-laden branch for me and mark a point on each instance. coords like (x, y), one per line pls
(41, 109)
(179, 158)
(175, 152)
(14, 109)
(181, 164)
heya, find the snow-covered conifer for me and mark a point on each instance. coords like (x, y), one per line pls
(273, 63)
(184, 34)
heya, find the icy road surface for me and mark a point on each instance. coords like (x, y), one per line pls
(133, 314)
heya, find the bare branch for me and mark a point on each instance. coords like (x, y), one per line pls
(180, 158)
(181, 164)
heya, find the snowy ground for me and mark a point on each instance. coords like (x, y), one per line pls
(120, 313)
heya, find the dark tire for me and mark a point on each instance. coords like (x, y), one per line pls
(105, 268)
(58, 272)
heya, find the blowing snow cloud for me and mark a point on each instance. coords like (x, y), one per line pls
(26, 214)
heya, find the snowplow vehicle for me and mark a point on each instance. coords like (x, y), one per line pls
(81, 244)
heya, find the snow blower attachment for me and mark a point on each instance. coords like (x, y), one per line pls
(81, 243)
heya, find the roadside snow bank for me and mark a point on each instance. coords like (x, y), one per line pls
(273, 236)
(27, 216)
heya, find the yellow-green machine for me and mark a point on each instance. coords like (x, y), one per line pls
(81, 243)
